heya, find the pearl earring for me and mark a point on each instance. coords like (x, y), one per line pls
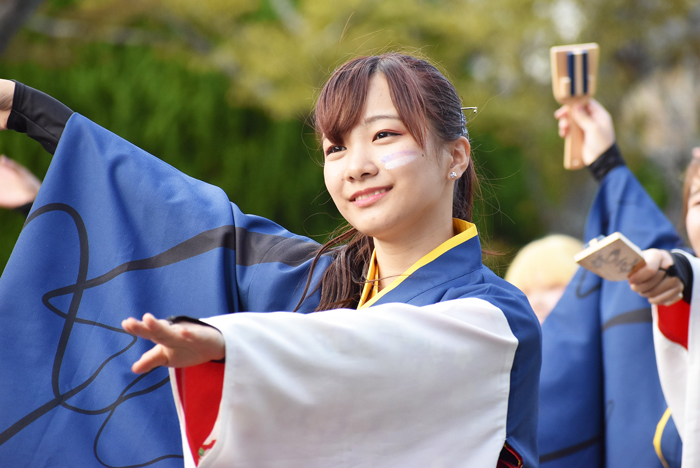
(453, 175)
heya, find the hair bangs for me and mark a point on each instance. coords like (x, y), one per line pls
(405, 94)
(341, 103)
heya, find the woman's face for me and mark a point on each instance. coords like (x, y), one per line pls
(381, 180)
(692, 219)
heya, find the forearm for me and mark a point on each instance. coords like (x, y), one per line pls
(37, 114)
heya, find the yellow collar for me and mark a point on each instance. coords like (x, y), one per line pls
(371, 294)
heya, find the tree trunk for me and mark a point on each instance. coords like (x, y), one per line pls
(13, 15)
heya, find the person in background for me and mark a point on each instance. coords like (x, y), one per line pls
(542, 270)
(669, 280)
(601, 401)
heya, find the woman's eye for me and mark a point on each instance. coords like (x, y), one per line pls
(384, 134)
(334, 149)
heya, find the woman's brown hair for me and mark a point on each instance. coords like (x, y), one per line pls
(429, 106)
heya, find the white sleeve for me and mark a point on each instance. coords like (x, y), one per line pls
(393, 386)
(679, 371)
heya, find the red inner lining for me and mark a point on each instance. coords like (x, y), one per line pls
(674, 321)
(200, 389)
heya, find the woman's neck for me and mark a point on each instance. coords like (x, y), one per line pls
(397, 255)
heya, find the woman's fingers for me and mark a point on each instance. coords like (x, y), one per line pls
(136, 327)
(667, 296)
(654, 260)
(646, 287)
(563, 127)
(644, 275)
(562, 115)
(150, 328)
(150, 360)
(664, 291)
(177, 345)
(561, 112)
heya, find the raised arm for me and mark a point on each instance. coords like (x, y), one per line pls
(30, 111)
(584, 366)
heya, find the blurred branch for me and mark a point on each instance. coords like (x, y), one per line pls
(71, 29)
(13, 15)
(181, 29)
(292, 20)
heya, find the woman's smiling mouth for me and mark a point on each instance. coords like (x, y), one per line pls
(369, 196)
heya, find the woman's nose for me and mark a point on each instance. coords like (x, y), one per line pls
(360, 164)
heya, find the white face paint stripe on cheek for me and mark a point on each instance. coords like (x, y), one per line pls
(398, 159)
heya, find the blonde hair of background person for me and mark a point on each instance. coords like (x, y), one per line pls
(542, 269)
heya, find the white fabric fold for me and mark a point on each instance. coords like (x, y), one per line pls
(389, 386)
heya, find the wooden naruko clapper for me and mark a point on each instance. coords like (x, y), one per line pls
(574, 72)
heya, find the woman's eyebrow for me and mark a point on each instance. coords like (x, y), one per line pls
(374, 118)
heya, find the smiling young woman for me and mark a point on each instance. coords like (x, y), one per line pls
(391, 123)
(417, 355)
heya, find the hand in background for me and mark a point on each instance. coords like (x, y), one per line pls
(18, 186)
(177, 345)
(597, 126)
(7, 92)
(652, 282)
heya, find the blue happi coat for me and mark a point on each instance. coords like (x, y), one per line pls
(600, 395)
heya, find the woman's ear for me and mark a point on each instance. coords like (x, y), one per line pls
(460, 152)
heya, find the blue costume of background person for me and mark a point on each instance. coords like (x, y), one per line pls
(600, 394)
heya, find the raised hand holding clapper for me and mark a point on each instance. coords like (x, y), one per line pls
(574, 71)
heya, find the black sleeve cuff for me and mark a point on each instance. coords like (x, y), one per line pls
(40, 116)
(606, 162)
(24, 209)
(685, 273)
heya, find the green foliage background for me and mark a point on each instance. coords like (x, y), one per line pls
(270, 167)
(267, 166)
(222, 90)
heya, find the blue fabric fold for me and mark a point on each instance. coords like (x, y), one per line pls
(115, 232)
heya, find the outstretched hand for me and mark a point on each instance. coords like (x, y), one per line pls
(596, 123)
(652, 282)
(177, 345)
(18, 186)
